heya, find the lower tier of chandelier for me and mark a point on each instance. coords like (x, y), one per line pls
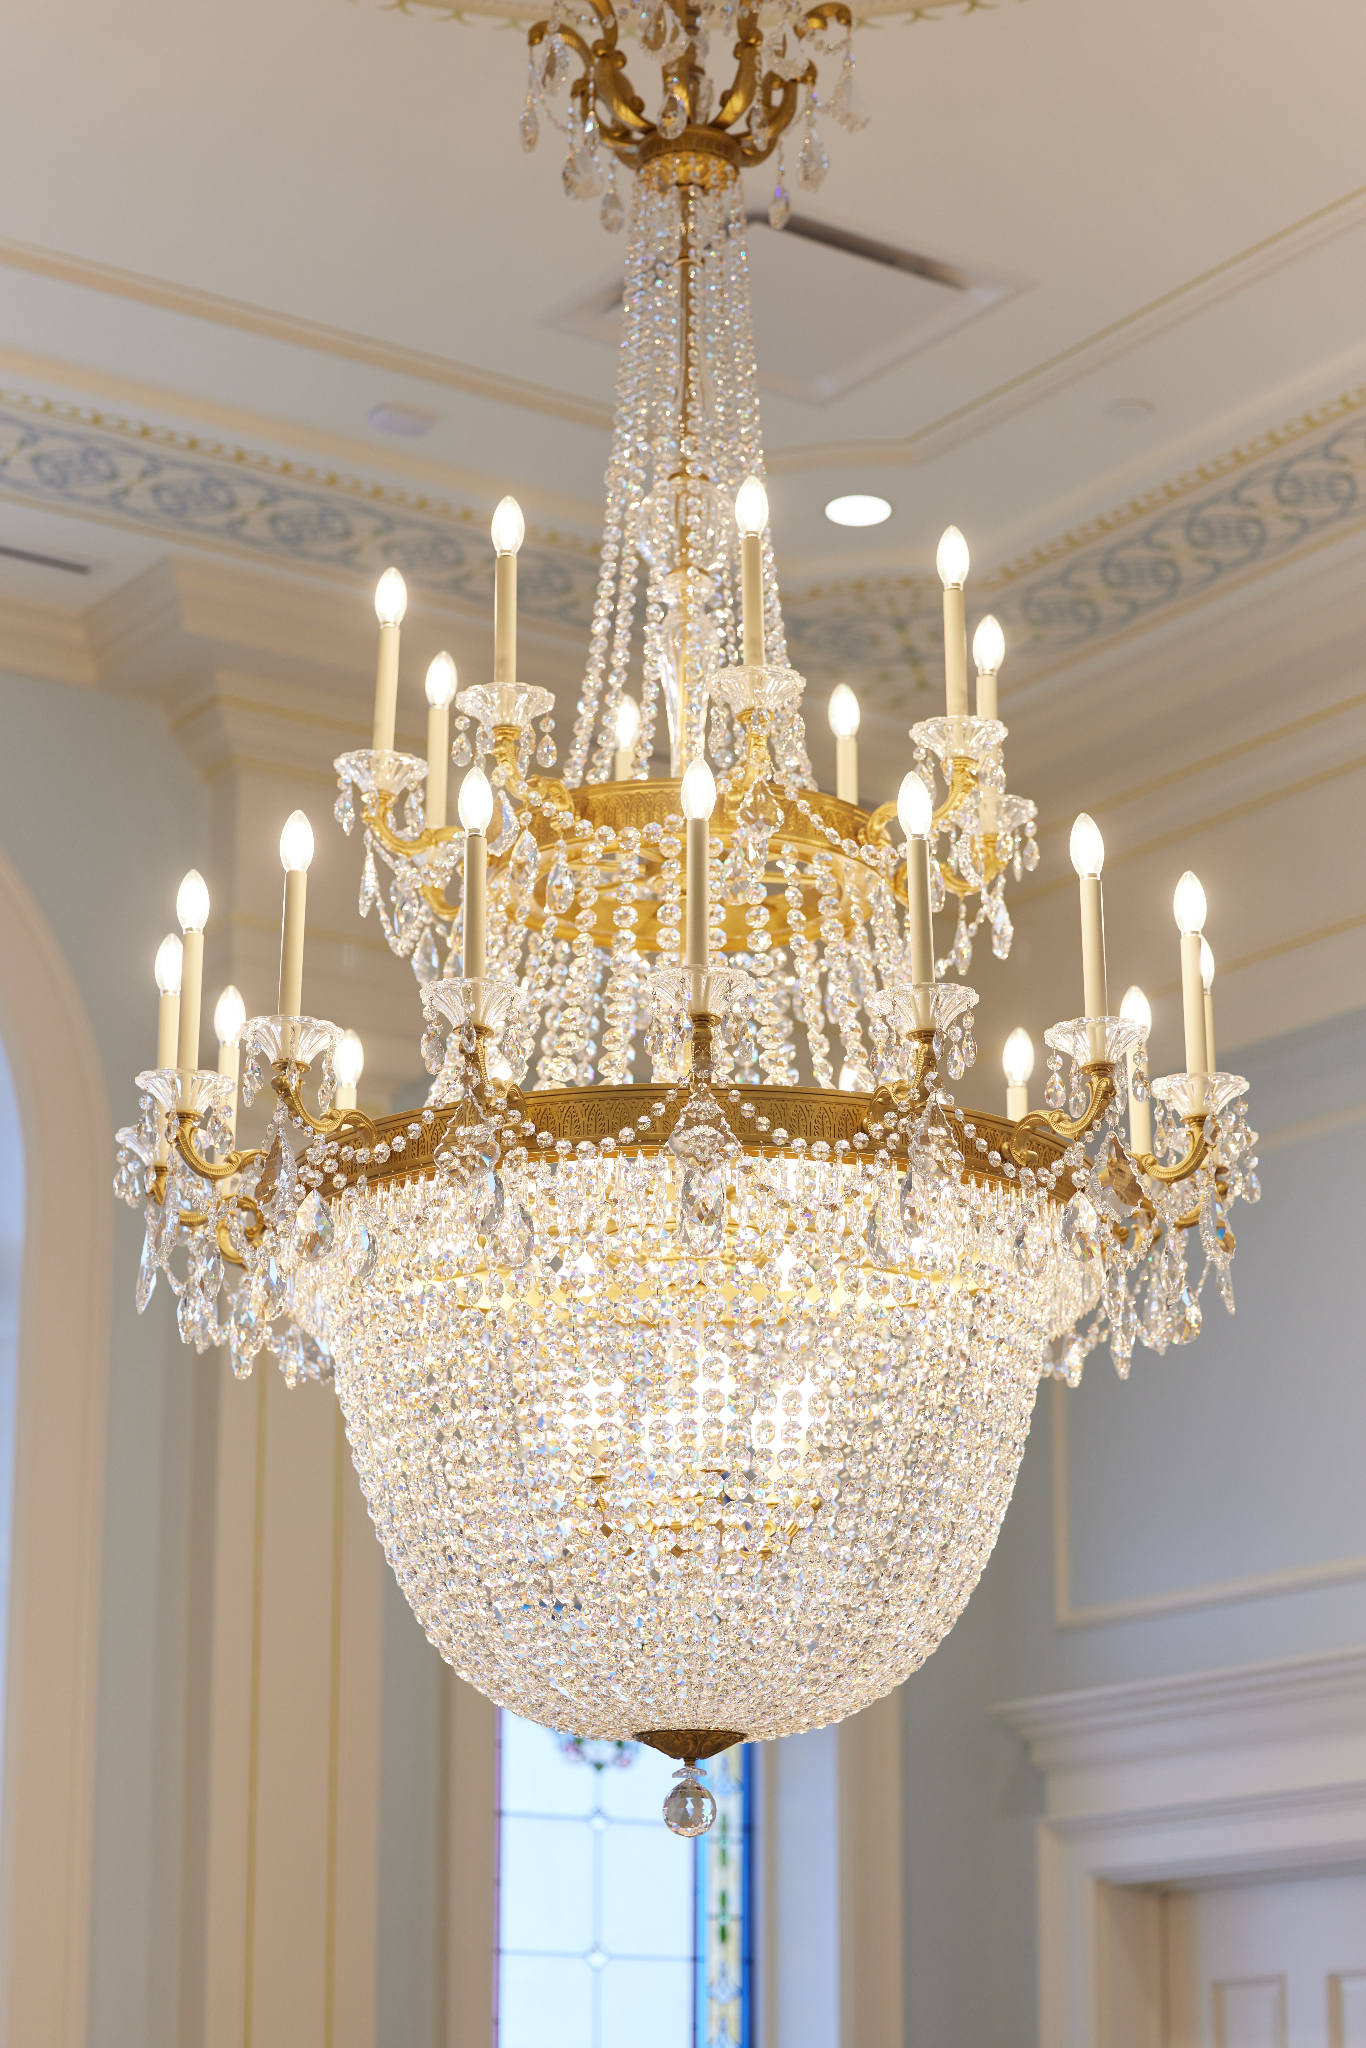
(653, 1446)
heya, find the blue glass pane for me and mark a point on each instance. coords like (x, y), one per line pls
(725, 1919)
(646, 2005)
(546, 1885)
(544, 2002)
(647, 1891)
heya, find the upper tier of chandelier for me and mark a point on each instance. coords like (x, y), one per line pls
(688, 1336)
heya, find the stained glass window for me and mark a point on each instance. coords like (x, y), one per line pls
(612, 1932)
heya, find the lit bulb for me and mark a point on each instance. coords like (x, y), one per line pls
(167, 964)
(1135, 1008)
(988, 646)
(1018, 1057)
(844, 712)
(192, 902)
(441, 681)
(296, 844)
(751, 506)
(475, 803)
(391, 598)
(229, 1015)
(1206, 964)
(698, 793)
(952, 559)
(848, 1081)
(914, 807)
(348, 1060)
(508, 527)
(628, 722)
(1188, 904)
(1086, 847)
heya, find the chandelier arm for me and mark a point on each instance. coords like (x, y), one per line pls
(353, 1121)
(1100, 1080)
(740, 98)
(779, 115)
(378, 822)
(210, 1170)
(822, 15)
(1197, 1151)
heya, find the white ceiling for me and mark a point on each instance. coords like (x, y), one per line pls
(242, 227)
(355, 165)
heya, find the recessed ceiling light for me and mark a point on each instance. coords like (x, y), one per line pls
(409, 420)
(858, 510)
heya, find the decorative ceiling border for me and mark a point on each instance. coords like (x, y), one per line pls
(1258, 507)
(1254, 509)
(183, 487)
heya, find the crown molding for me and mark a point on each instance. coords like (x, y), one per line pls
(270, 325)
(37, 640)
(1200, 1710)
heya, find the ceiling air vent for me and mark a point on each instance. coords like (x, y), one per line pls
(37, 561)
(832, 308)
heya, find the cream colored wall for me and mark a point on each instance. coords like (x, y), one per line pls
(1208, 1513)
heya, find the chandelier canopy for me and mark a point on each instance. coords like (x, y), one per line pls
(688, 1337)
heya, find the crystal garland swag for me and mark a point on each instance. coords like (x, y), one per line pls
(687, 1407)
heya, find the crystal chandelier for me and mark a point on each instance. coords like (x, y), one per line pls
(688, 1337)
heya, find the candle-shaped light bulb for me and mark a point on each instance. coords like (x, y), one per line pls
(697, 798)
(475, 802)
(844, 712)
(1136, 1009)
(915, 810)
(440, 687)
(914, 807)
(167, 971)
(229, 1015)
(844, 719)
(1207, 979)
(628, 732)
(697, 794)
(391, 598)
(391, 602)
(166, 968)
(952, 559)
(751, 507)
(296, 852)
(1188, 907)
(475, 807)
(988, 652)
(1087, 849)
(441, 681)
(508, 529)
(952, 564)
(348, 1064)
(988, 646)
(751, 516)
(1017, 1062)
(192, 902)
(192, 909)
